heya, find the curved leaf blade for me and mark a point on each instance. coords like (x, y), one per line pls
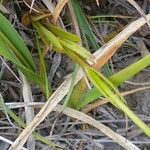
(48, 37)
(8, 30)
(61, 33)
(105, 87)
(67, 44)
(117, 79)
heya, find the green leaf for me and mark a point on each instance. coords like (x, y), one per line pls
(90, 38)
(48, 37)
(12, 35)
(117, 79)
(128, 72)
(61, 33)
(43, 73)
(103, 85)
(77, 49)
(106, 88)
(6, 52)
(84, 24)
(32, 76)
(75, 57)
(5, 40)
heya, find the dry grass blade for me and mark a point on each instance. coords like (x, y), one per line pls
(29, 111)
(55, 98)
(108, 50)
(103, 54)
(51, 8)
(4, 9)
(49, 5)
(89, 120)
(9, 142)
(75, 24)
(139, 9)
(58, 9)
(105, 101)
(31, 7)
(97, 2)
(99, 103)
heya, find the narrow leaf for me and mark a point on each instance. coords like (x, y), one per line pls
(8, 30)
(48, 37)
(23, 60)
(117, 79)
(84, 24)
(61, 33)
(43, 73)
(77, 49)
(109, 92)
(8, 54)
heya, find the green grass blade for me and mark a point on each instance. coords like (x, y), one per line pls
(128, 72)
(89, 97)
(5, 40)
(12, 35)
(117, 79)
(77, 49)
(74, 75)
(43, 73)
(33, 77)
(48, 37)
(103, 85)
(89, 36)
(111, 93)
(84, 24)
(6, 52)
(61, 33)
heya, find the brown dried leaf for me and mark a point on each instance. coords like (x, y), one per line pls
(139, 9)
(58, 9)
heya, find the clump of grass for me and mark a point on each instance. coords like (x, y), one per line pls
(67, 45)
(64, 42)
(15, 50)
